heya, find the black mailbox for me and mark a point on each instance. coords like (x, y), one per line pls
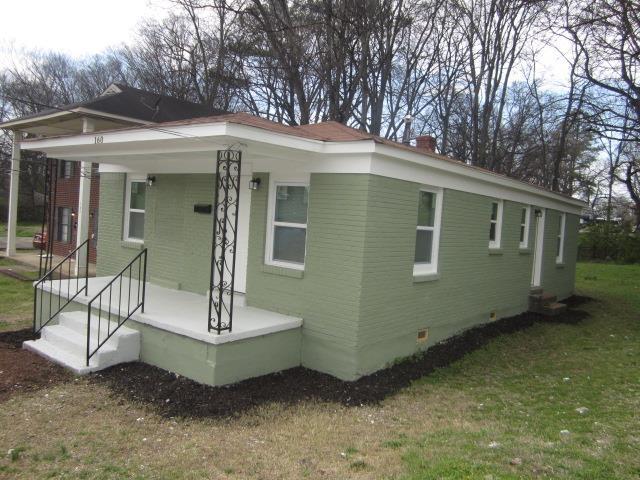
(202, 208)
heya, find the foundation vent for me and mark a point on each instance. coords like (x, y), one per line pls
(423, 335)
(493, 316)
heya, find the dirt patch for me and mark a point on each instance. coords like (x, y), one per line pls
(9, 272)
(570, 317)
(577, 300)
(21, 370)
(175, 396)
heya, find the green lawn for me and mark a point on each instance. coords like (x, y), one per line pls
(16, 298)
(505, 411)
(25, 229)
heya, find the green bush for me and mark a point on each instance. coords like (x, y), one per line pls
(609, 242)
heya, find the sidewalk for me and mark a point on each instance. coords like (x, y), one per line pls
(22, 243)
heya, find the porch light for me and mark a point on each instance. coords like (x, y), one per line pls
(151, 179)
(254, 184)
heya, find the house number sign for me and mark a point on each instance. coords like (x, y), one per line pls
(98, 139)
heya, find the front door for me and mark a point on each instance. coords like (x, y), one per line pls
(242, 240)
(536, 271)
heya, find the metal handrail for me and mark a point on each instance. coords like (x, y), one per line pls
(140, 295)
(69, 298)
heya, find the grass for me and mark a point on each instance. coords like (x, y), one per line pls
(24, 229)
(16, 298)
(498, 413)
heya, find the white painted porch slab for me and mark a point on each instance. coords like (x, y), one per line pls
(181, 312)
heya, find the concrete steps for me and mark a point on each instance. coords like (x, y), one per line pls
(545, 303)
(66, 343)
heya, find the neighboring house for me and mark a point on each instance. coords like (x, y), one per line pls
(118, 106)
(333, 249)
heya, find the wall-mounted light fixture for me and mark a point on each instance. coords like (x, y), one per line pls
(538, 212)
(151, 179)
(254, 184)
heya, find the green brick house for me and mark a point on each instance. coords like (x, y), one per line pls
(333, 249)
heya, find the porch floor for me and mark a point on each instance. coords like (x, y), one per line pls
(181, 312)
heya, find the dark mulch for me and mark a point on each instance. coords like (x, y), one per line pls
(21, 370)
(175, 396)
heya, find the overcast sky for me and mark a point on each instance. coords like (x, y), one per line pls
(76, 27)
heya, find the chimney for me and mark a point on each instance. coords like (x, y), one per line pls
(406, 135)
(426, 143)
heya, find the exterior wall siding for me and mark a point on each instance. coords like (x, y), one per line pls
(178, 239)
(559, 279)
(327, 294)
(472, 281)
(360, 304)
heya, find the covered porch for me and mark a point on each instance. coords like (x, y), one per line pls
(176, 311)
(173, 331)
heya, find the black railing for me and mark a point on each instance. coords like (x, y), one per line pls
(63, 277)
(97, 339)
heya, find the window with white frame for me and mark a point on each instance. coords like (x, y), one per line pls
(65, 169)
(525, 218)
(560, 243)
(63, 232)
(134, 208)
(495, 227)
(427, 231)
(287, 230)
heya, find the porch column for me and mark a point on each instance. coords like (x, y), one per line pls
(84, 207)
(14, 185)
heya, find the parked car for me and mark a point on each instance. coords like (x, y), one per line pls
(40, 240)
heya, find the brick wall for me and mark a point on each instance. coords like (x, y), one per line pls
(67, 193)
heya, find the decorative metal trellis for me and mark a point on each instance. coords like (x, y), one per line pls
(225, 228)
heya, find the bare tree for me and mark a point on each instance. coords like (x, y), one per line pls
(607, 34)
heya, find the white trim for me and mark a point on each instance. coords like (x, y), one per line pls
(561, 235)
(14, 185)
(127, 206)
(432, 267)
(527, 224)
(73, 111)
(497, 242)
(538, 250)
(111, 116)
(274, 182)
(385, 160)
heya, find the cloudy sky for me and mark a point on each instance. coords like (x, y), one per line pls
(85, 27)
(76, 27)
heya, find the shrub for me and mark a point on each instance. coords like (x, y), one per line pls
(610, 242)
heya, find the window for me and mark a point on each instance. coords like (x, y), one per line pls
(65, 169)
(63, 232)
(495, 228)
(134, 208)
(287, 233)
(560, 244)
(525, 217)
(427, 231)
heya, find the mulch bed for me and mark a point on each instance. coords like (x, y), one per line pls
(21, 370)
(175, 396)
